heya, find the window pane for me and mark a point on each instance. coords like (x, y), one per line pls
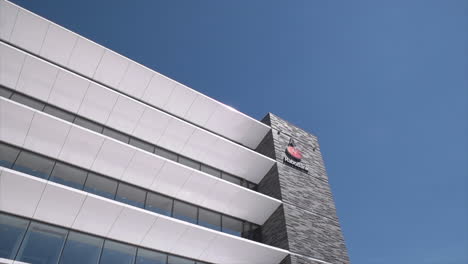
(179, 260)
(115, 135)
(68, 175)
(5, 92)
(8, 155)
(33, 164)
(81, 249)
(211, 170)
(190, 163)
(42, 244)
(12, 230)
(88, 124)
(100, 186)
(166, 154)
(150, 257)
(141, 145)
(185, 212)
(232, 226)
(131, 195)
(230, 178)
(28, 101)
(117, 253)
(59, 113)
(209, 219)
(159, 204)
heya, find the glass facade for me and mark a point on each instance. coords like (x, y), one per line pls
(93, 126)
(72, 176)
(38, 243)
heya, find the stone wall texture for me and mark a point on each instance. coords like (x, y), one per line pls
(307, 219)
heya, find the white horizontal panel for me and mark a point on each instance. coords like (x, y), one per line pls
(37, 78)
(142, 169)
(158, 91)
(151, 125)
(125, 114)
(196, 188)
(95, 207)
(171, 178)
(20, 193)
(85, 57)
(254, 135)
(68, 91)
(10, 65)
(132, 225)
(193, 242)
(46, 134)
(201, 110)
(221, 195)
(135, 80)
(29, 31)
(15, 122)
(81, 147)
(180, 100)
(8, 14)
(111, 68)
(199, 144)
(176, 134)
(59, 204)
(113, 158)
(252, 206)
(98, 103)
(58, 44)
(164, 234)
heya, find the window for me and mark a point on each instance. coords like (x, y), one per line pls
(159, 204)
(68, 175)
(12, 230)
(185, 212)
(150, 257)
(28, 101)
(230, 178)
(211, 170)
(189, 163)
(5, 92)
(42, 244)
(117, 253)
(179, 260)
(166, 154)
(8, 155)
(33, 164)
(141, 144)
(100, 186)
(131, 195)
(115, 135)
(88, 124)
(81, 249)
(209, 219)
(232, 226)
(59, 113)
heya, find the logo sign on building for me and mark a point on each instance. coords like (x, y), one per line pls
(294, 156)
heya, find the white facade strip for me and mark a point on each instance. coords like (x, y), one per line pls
(44, 38)
(56, 138)
(53, 203)
(39, 79)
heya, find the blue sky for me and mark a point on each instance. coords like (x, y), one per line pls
(384, 84)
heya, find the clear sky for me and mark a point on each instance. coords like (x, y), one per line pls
(384, 84)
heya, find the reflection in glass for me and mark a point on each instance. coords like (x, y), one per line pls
(100, 185)
(150, 257)
(25, 100)
(141, 144)
(117, 253)
(159, 204)
(232, 226)
(42, 244)
(130, 195)
(230, 178)
(68, 175)
(81, 249)
(33, 164)
(209, 219)
(88, 124)
(179, 260)
(59, 113)
(166, 154)
(115, 135)
(12, 230)
(211, 170)
(8, 155)
(185, 212)
(189, 163)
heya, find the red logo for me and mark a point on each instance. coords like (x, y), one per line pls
(292, 151)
